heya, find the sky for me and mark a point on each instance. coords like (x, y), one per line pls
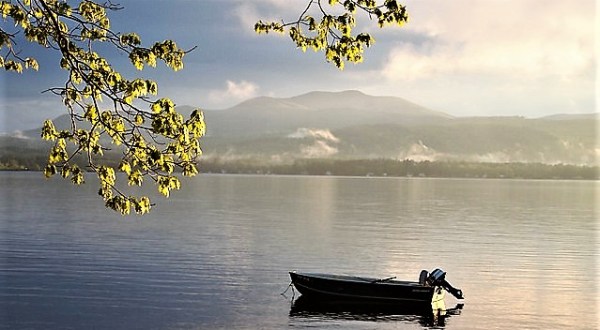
(527, 58)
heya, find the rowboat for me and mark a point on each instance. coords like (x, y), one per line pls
(430, 288)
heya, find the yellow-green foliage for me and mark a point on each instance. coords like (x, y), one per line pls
(334, 34)
(154, 139)
(102, 103)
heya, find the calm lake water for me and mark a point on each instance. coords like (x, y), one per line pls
(217, 253)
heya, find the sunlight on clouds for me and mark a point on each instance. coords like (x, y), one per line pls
(520, 40)
(323, 134)
(514, 61)
(234, 91)
(465, 57)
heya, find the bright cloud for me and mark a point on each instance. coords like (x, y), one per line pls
(517, 39)
(234, 91)
(323, 134)
(320, 146)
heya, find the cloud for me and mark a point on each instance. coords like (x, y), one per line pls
(420, 152)
(523, 40)
(16, 134)
(320, 146)
(250, 12)
(318, 149)
(234, 91)
(247, 14)
(322, 134)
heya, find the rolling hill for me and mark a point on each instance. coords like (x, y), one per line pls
(353, 125)
(319, 110)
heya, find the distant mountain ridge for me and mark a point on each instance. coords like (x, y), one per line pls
(326, 110)
(353, 125)
(562, 116)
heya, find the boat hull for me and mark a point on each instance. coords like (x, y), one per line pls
(426, 315)
(357, 288)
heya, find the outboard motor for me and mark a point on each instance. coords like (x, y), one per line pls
(438, 278)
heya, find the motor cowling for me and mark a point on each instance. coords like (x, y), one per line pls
(438, 278)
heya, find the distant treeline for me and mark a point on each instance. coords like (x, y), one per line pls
(406, 168)
(368, 167)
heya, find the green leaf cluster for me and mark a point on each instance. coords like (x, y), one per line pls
(110, 112)
(334, 33)
(107, 110)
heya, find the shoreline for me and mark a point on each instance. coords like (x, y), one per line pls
(384, 168)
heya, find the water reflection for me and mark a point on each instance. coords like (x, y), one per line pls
(217, 253)
(426, 315)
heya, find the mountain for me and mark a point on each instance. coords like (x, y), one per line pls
(562, 116)
(319, 110)
(353, 125)
(473, 139)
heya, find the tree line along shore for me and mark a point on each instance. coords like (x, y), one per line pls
(373, 167)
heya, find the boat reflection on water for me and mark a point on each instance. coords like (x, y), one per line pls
(427, 315)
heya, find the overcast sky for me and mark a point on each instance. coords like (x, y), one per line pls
(463, 57)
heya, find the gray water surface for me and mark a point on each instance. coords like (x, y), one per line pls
(217, 253)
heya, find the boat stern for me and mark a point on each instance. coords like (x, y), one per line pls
(437, 278)
(439, 294)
